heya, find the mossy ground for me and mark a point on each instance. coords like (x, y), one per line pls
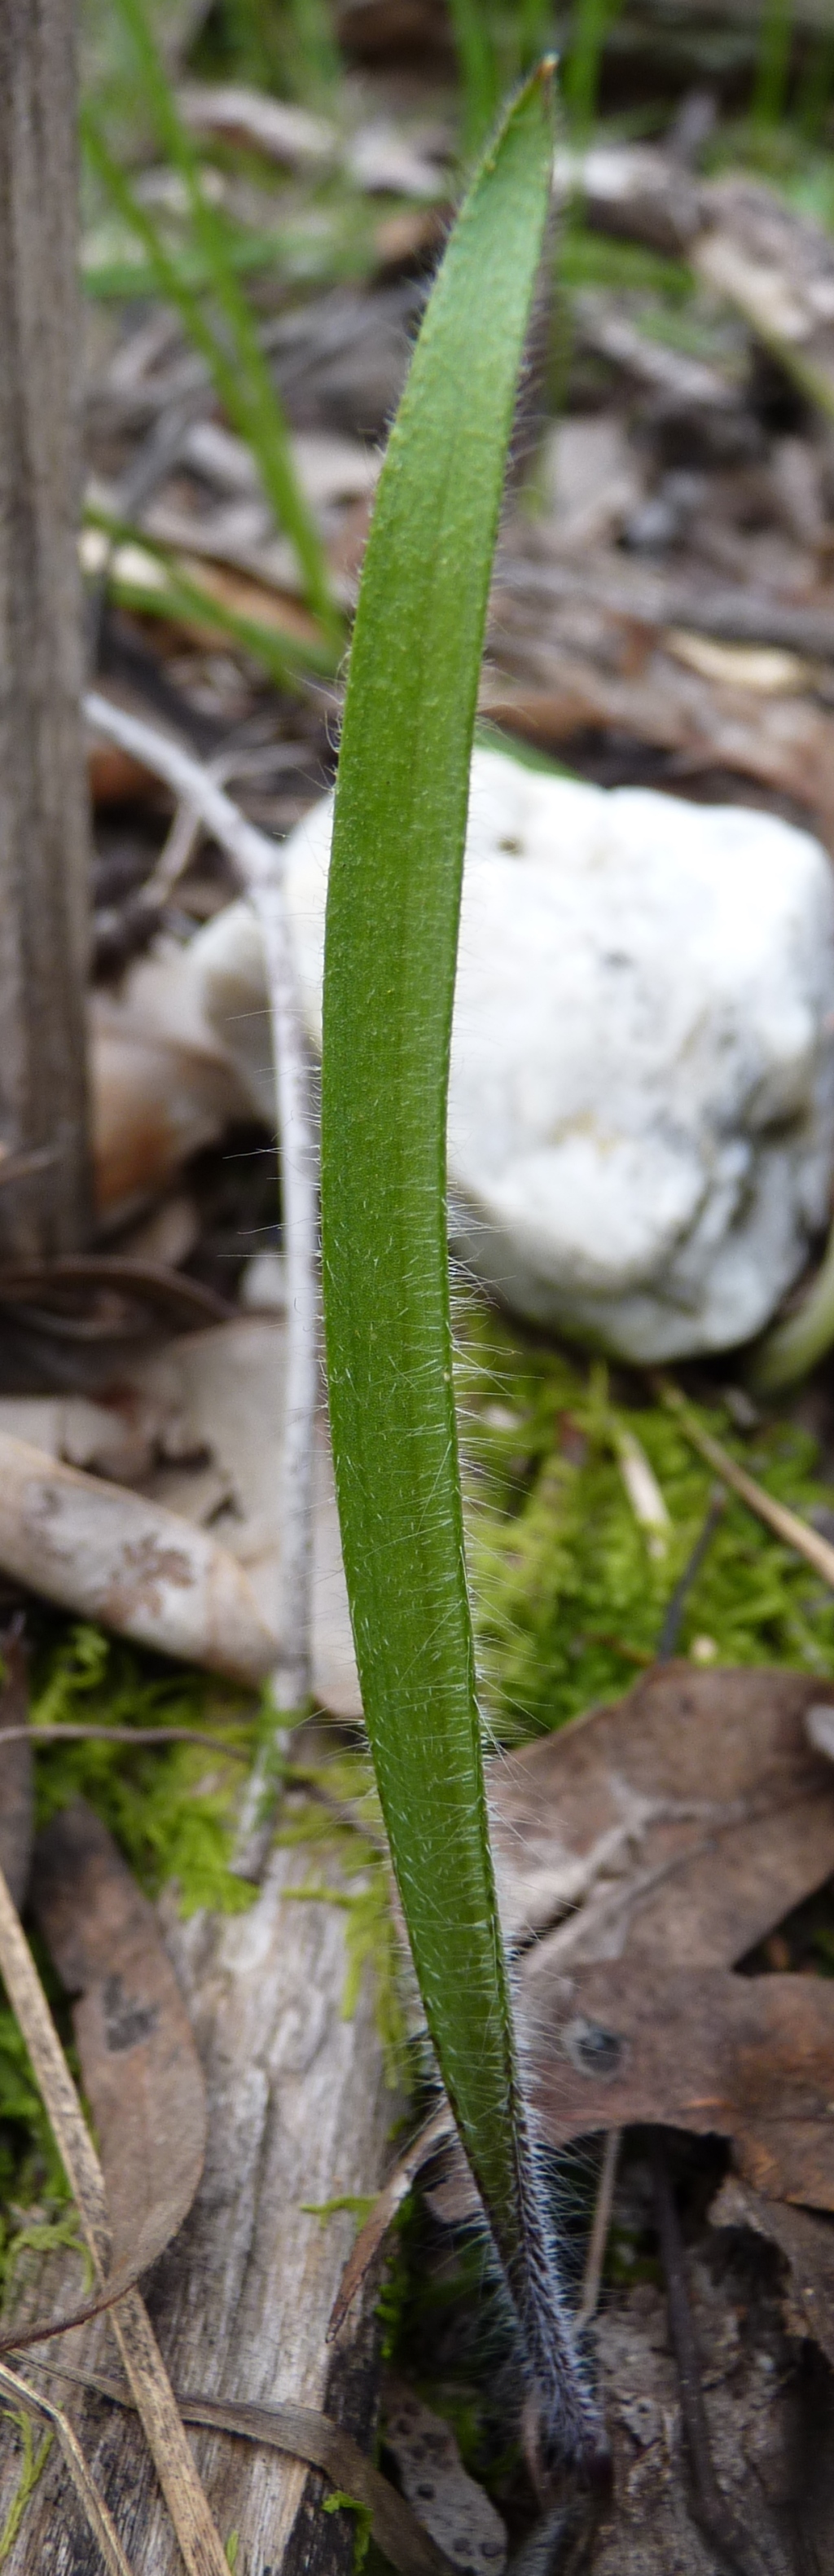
(569, 1600)
(569, 1604)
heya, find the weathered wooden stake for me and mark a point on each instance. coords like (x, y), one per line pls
(43, 810)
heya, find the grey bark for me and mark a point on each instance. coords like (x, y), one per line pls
(43, 810)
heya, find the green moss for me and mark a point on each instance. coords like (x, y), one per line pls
(172, 1813)
(30, 2166)
(171, 1810)
(569, 1602)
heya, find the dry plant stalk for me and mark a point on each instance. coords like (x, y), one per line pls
(436, 2133)
(777, 1516)
(259, 863)
(130, 1735)
(324, 2444)
(93, 2505)
(198, 2539)
(597, 2242)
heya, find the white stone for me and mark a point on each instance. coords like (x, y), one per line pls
(641, 1110)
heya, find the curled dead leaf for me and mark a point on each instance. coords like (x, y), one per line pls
(651, 1845)
(751, 2058)
(141, 2071)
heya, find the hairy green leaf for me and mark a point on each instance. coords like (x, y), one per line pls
(392, 924)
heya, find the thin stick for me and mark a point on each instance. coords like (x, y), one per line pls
(786, 1524)
(259, 862)
(101, 2526)
(436, 2133)
(709, 2507)
(38, 1735)
(598, 2238)
(199, 2541)
(306, 2435)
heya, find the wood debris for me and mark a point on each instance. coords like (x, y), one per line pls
(110, 1555)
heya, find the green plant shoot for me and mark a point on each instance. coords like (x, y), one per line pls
(392, 924)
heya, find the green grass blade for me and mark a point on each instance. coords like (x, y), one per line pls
(773, 64)
(392, 925)
(589, 28)
(479, 68)
(240, 371)
(182, 594)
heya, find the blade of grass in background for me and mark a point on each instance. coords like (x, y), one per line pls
(157, 584)
(392, 923)
(816, 86)
(589, 27)
(289, 47)
(310, 58)
(773, 66)
(237, 364)
(494, 46)
(479, 68)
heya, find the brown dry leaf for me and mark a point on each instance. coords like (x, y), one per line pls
(16, 1785)
(284, 615)
(751, 2058)
(632, 189)
(652, 1844)
(773, 263)
(554, 694)
(142, 2075)
(114, 776)
(234, 114)
(807, 2242)
(677, 1825)
(668, 1831)
(227, 1386)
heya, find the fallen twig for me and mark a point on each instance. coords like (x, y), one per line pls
(259, 862)
(787, 1525)
(437, 2133)
(309, 2436)
(709, 2506)
(598, 2238)
(152, 1283)
(93, 2505)
(196, 2533)
(115, 1556)
(67, 1734)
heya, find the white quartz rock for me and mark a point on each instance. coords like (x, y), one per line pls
(641, 1109)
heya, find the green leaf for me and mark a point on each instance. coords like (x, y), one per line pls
(392, 922)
